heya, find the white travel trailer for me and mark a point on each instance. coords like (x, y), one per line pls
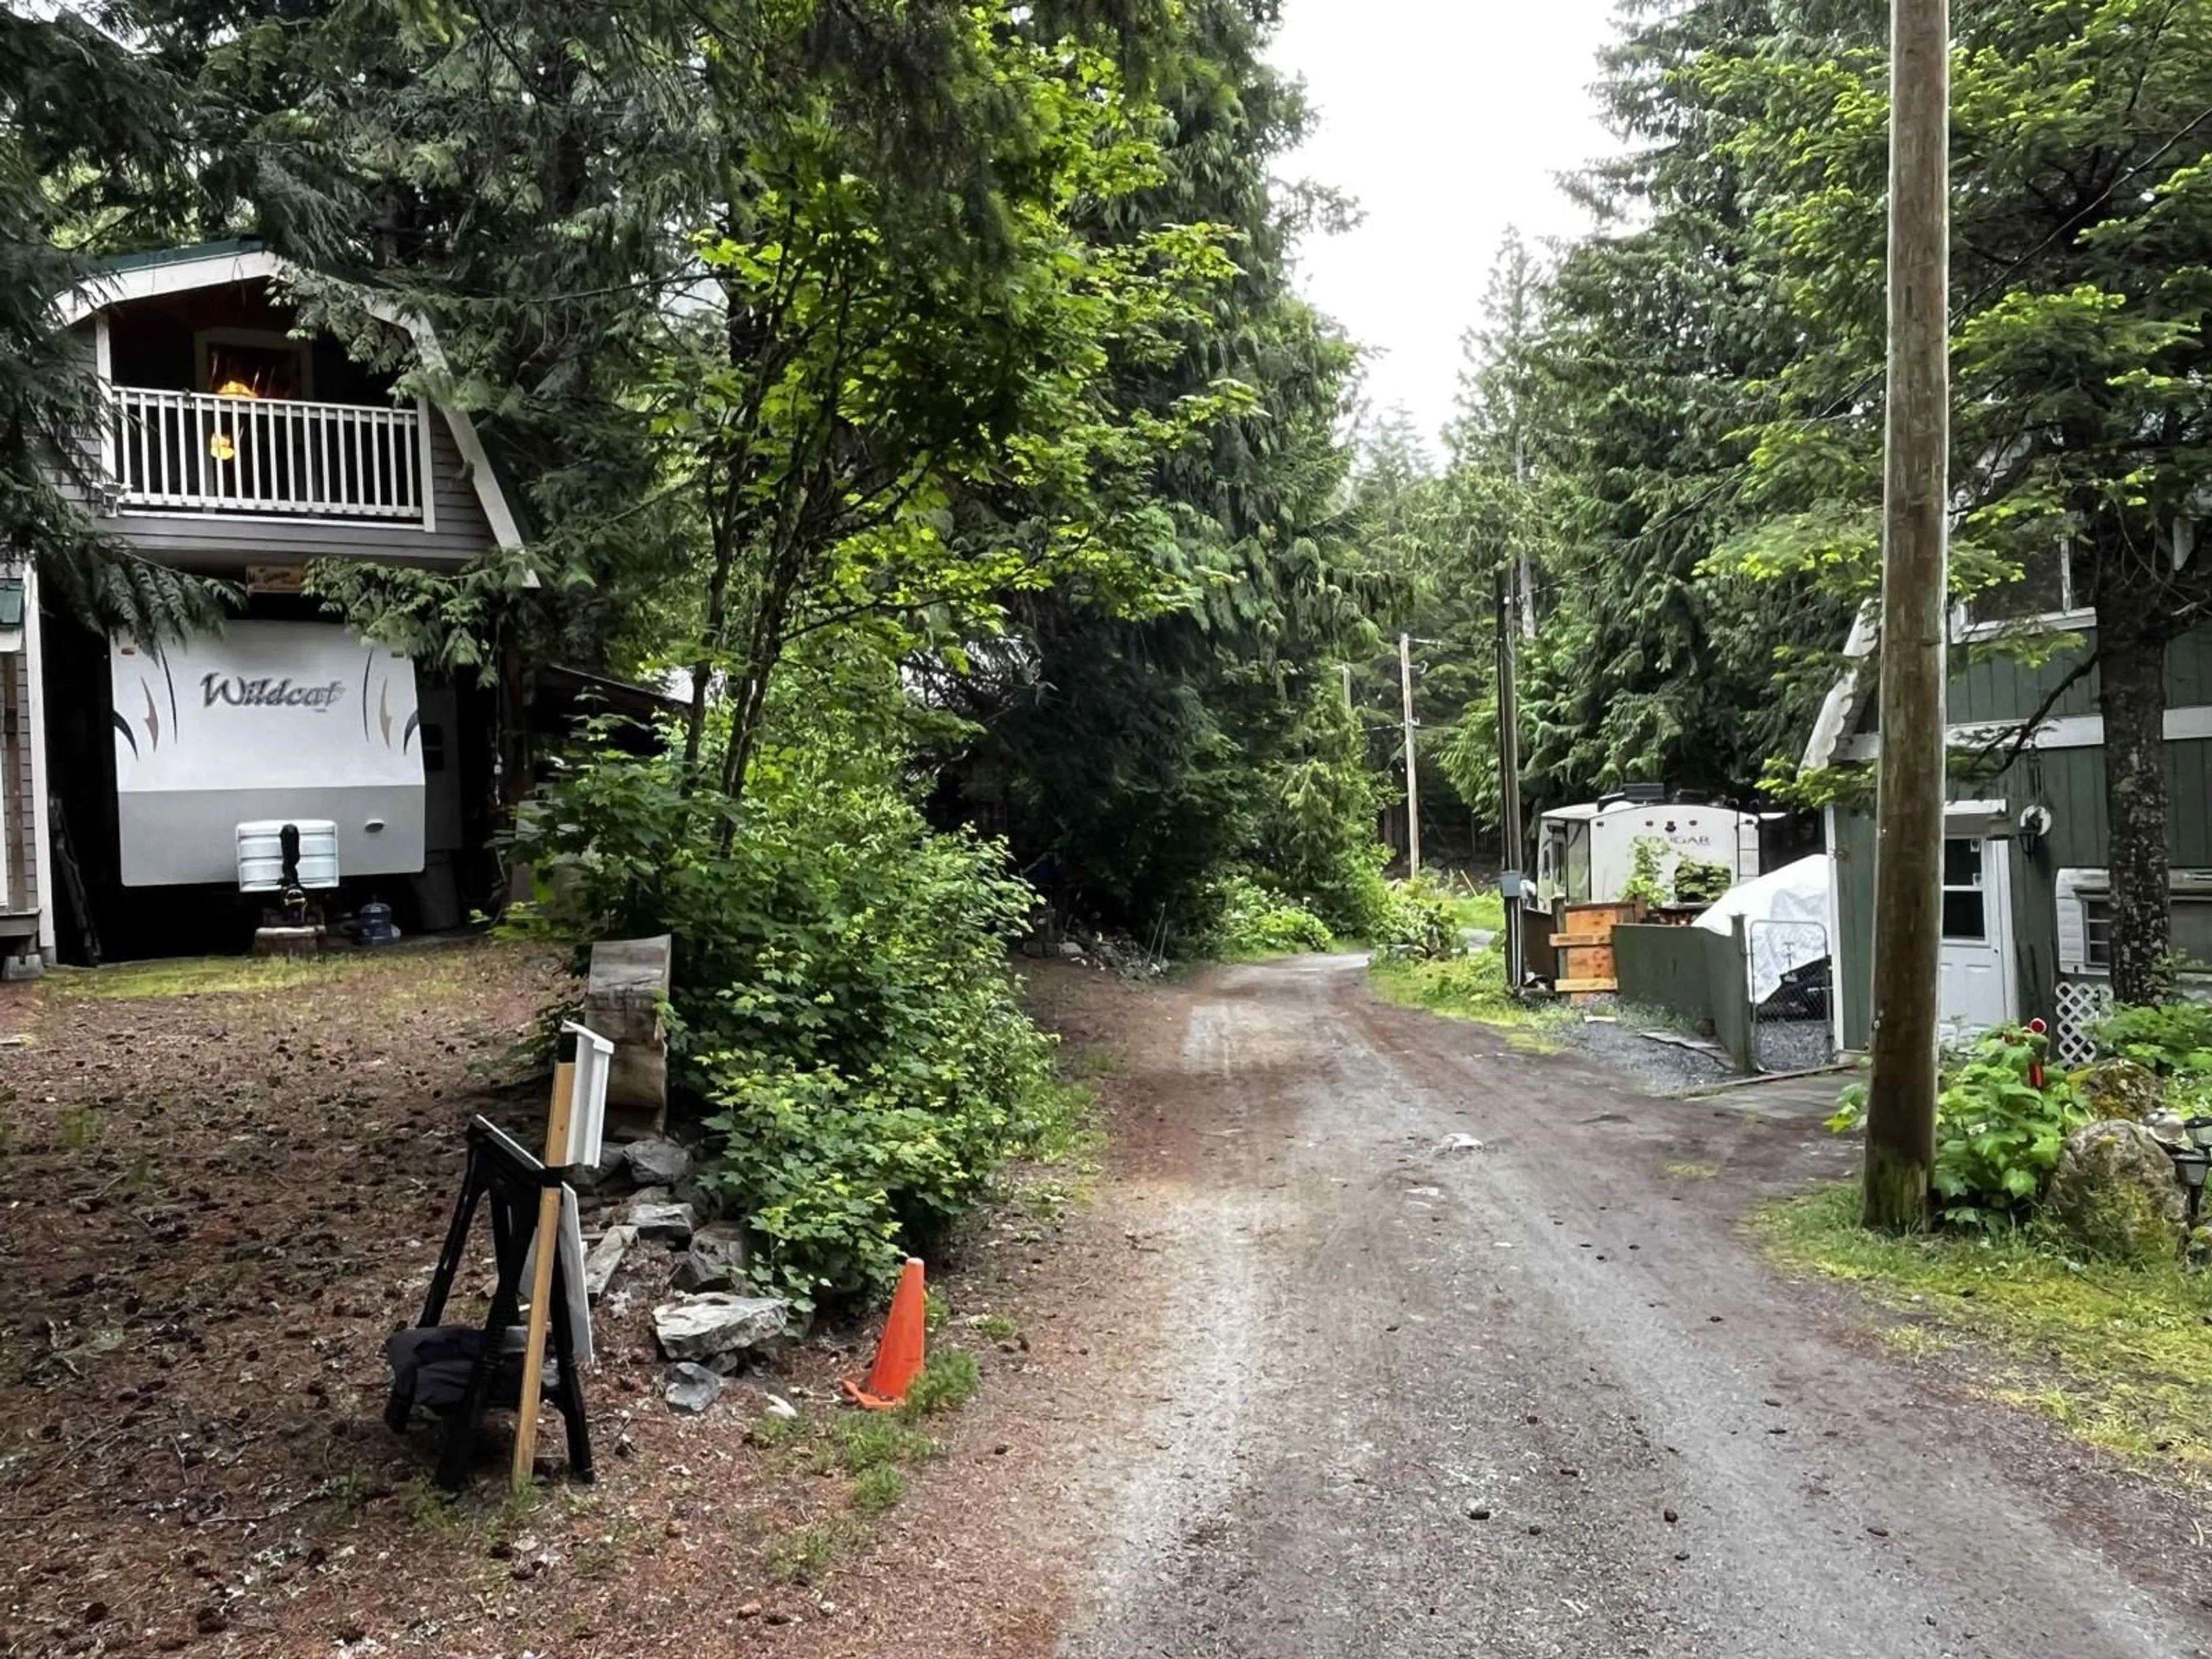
(1586, 855)
(268, 721)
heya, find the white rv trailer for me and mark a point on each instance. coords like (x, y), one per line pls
(1587, 853)
(219, 737)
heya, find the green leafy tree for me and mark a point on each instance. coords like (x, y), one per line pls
(2082, 235)
(1132, 758)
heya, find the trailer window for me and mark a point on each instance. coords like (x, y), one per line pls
(1579, 863)
(2192, 932)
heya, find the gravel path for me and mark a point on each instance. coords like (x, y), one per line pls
(1665, 1069)
(1417, 1396)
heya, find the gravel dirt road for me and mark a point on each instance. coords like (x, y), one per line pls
(1410, 1395)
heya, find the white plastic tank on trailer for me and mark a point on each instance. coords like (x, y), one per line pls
(1587, 853)
(261, 855)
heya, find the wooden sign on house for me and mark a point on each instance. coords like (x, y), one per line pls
(622, 1000)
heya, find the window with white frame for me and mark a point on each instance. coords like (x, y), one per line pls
(1965, 906)
(2053, 587)
(2085, 920)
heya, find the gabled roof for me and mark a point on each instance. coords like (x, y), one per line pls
(128, 276)
(171, 256)
(1839, 709)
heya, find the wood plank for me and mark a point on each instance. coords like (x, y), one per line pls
(1588, 964)
(1572, 987)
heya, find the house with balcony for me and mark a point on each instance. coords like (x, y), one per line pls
(239, 446)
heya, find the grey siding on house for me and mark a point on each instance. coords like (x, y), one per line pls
(2071, 783)
(198, 540)
(26, 880)
(1853, 964)
(2003, 690)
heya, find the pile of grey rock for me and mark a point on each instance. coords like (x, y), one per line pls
(655, 1216)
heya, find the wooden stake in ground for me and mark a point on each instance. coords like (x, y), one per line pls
(541, 1281)
(1900, 1133)
(1412, 774)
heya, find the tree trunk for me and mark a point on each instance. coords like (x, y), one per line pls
(2131, 659)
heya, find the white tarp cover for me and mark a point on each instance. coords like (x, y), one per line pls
(1785, 913)
(266, 719)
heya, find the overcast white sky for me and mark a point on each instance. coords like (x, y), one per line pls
(1449, 120)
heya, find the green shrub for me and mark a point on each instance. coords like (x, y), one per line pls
(2171, 1038)
(841, 994)
(1698, 882)
(1419, 921)
(1249, 922)
(1997, 1136)
(1647, 870)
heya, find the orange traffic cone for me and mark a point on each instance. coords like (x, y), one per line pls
(898, 1360)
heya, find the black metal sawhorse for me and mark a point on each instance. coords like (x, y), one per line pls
(513, 1179)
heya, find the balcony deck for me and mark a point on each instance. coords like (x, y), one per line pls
(193, 452)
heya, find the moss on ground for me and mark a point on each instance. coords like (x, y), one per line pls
(2120, 1356)
(1469, 987)
(413, 966)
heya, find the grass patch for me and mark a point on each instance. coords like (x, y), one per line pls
(877, 1489)
(872, 1441)
(1477, 907)
(1470, 987)
(2121, 1356)
(997, 1327)
(411, 969)
(1914, 1341)
(1057, 1161)
(769, 1430)
(799, 1555)
(1062, 1126)
(188, 977)
(948, 1381)
(1693, 1171)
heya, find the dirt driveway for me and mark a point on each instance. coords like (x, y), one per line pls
(1377, 1338)
(1412, 1395)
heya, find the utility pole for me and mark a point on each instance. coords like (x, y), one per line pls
(1412, 774)
(1527, 604)
(1509, 780)
(1900, 1133)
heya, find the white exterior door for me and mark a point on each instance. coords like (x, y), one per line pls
(1977, 980)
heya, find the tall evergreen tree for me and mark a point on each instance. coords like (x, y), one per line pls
(1661, 330)
(2081, 298)
(1131, 758)
(94, 151)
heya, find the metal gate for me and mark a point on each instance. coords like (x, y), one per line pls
(1791, 980)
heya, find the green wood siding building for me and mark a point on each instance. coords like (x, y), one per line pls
(2062, 771)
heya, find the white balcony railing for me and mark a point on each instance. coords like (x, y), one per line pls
(193, 452)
